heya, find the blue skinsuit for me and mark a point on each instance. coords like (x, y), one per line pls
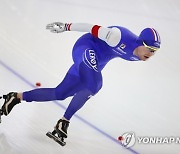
(84, 78)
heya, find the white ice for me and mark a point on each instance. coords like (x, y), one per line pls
(139, 97)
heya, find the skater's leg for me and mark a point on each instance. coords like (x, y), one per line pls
(14, 98)
(77, 102)
(68, 87)
(91, 78)
(39, 95)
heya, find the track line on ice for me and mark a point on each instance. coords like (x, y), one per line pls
(63, 107)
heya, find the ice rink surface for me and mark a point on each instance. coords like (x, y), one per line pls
(139, 97)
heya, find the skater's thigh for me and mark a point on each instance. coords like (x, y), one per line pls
(91, 78)
(70, 85)
(87, 67)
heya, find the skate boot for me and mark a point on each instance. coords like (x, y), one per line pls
(61, 128)
(60, 132)
(10, 101)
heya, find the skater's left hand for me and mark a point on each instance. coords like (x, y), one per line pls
(56, 27)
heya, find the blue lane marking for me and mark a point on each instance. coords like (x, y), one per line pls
(63, 107)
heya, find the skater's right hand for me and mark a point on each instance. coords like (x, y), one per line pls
(56, 27)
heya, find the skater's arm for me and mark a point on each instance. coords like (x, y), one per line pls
(111, 36)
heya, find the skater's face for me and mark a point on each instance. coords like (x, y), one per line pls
(144, 52)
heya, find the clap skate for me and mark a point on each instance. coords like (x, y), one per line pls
(59, 132)
(10, 101)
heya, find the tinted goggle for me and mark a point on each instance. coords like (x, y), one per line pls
(152, 49)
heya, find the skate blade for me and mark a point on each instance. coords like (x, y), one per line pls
(55, 138)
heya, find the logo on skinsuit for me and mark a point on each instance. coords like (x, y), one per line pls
(90, 59)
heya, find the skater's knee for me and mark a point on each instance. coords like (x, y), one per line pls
(60, 96)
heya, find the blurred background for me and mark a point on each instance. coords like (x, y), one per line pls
(139, 97)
